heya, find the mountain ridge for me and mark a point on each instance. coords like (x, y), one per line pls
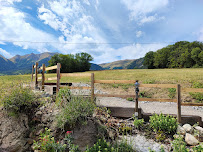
(22, 64)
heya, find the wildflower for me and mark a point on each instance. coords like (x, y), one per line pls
(68, 132)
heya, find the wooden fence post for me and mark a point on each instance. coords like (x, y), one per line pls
(36, 72)
(43, 75)
(32, 72)
(58, 77)
(92, 87)
(178, 103)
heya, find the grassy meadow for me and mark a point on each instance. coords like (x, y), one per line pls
(185, 77)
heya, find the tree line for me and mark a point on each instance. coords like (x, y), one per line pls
(182, 54)
(79, 62)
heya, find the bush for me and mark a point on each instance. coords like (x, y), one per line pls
(47, 143)
(138, 123)
(104, 146)
(197, 96)
(172, 92)
(20, 100)
(75, 110)
(167, 124)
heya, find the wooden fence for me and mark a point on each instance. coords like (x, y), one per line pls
(93, 81)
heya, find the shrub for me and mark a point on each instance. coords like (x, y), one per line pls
(144, 94)
(130, 99)
(172, 92)
(47, 143)
(20, 100)
(75, 111)
(178, 145)
(197, 96)
(167, 124)
(138, 123)
(125, 129)
(104, 146)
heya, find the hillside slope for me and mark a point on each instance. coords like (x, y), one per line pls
(124, 64)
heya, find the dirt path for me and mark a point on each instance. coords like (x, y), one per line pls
(147, 107)
(151, 107)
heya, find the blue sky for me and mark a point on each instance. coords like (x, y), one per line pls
(109, 30)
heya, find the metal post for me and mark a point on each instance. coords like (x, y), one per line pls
(136, 97)
(179, 103)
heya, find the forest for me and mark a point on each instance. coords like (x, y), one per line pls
(182, 54)
(79, 62)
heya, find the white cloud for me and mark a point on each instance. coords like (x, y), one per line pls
(14, 28)
(86, 2)
(140, 10)
(8, 2)
(5, 53)
(139, 34)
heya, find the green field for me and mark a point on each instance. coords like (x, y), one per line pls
(185, 77)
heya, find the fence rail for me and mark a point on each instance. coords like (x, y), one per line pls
(93, 81)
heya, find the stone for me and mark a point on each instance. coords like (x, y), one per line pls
(188, 128)
(191, 140)
(181, 130)
(13, 131)
(85, 134)
(200, 130)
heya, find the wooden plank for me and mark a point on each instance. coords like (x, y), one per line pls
(158, 85)
(111, 95)
(75, 74)
(34, 66)
(192, 104)
(43, 75)
(51, 68)
(115, 81)
(158, 100)
(52, 78)
(41, 68)
(133, 96)
(39, 78)
(92, 87)
(178, 103)
(58, 77)
(192, 90)
(133, 81)
(69, 84)
(36, 72)
(32, 72)
(75, 87)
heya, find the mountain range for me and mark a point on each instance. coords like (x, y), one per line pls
(22, 64)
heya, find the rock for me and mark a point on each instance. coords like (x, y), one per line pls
(181, 130)
(85, 134)
(13, 131)
(191, 140)
(200, 130)
(188, 128)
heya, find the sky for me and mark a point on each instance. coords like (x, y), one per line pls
(109, 30)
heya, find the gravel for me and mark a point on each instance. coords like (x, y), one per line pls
(146, 106)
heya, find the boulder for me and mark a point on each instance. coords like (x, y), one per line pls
(191, 140)
(181, 130)
(85, 134)
(200, 130)
(13, 133)
(188, 128)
